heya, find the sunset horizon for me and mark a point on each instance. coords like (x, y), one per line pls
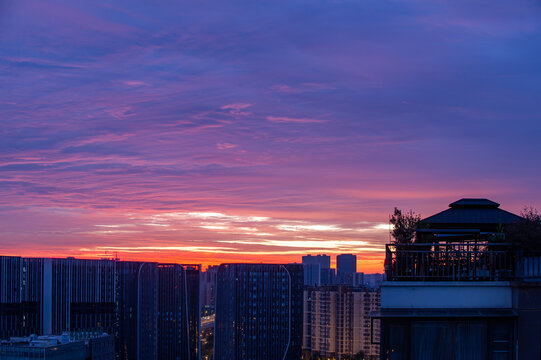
(270, 180)
(248, 132)
(370, 256)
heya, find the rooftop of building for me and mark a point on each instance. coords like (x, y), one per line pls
(466, 242)
(46, 341)
(472, 211)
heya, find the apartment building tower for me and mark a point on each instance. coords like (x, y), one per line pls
(258, 312)
(337, 322)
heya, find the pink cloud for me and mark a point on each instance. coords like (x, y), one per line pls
(236, 106)
(120, 116)
(286, 89)
(134, 83)
(226, 146)
(122, 112)
(236, 109)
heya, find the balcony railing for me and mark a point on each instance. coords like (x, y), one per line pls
(467, 261)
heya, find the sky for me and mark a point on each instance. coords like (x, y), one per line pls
(258, 131)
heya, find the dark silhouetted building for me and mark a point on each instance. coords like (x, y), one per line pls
(21, 291)
(137, 310)
(100, 347)
(82, 295)
(43, 348)
(317, 270)
(178, 312)
(259, 312)
(158, 313)
(193, 308)
(208, 287)
(152, 309)
(45, 296)
(460, 291)
(346, 268)
(76, 346)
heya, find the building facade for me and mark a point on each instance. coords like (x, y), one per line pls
(337, 322)
(59, 347)
(137, 310)
(152, 309)
(208, 287)
(178, 312)
(259, 312)
(80, 295)
(317, 270)
(460, 291)
(21, 291)
(346, 268)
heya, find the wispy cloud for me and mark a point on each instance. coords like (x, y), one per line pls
(285, 119)
(236, 106)
(226, 146)
(134, 83)
(253, 133)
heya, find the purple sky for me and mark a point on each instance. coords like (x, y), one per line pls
(215, 131)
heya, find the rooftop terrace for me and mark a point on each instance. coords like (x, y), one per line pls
(459, 261)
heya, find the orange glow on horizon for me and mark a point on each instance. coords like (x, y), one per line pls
(372, 263)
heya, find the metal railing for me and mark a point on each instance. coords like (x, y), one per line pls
(467, 261)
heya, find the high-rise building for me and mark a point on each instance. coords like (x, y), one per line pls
(172, 299)
(337, 322)
(312, 274)
(81, 295)
(45, 296)
(208, 287)
(358, 279)
(152, 309)
(193, 309)
(346, 267)
(21, 291)
(317, 270)
(259, 312)
(373, 281)
(137, 310)
(178, 311)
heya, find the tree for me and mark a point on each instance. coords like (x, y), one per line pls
(526, 233)
(404, 226)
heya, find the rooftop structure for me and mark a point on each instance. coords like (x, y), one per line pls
(465, 294)
(59, 347)
(466, 219)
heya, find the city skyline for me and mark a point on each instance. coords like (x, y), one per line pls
(241, 132)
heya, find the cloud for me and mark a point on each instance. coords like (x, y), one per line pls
(196, 133)
(134, 83)
(283, 119)
(236, 106)
(226, 146)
